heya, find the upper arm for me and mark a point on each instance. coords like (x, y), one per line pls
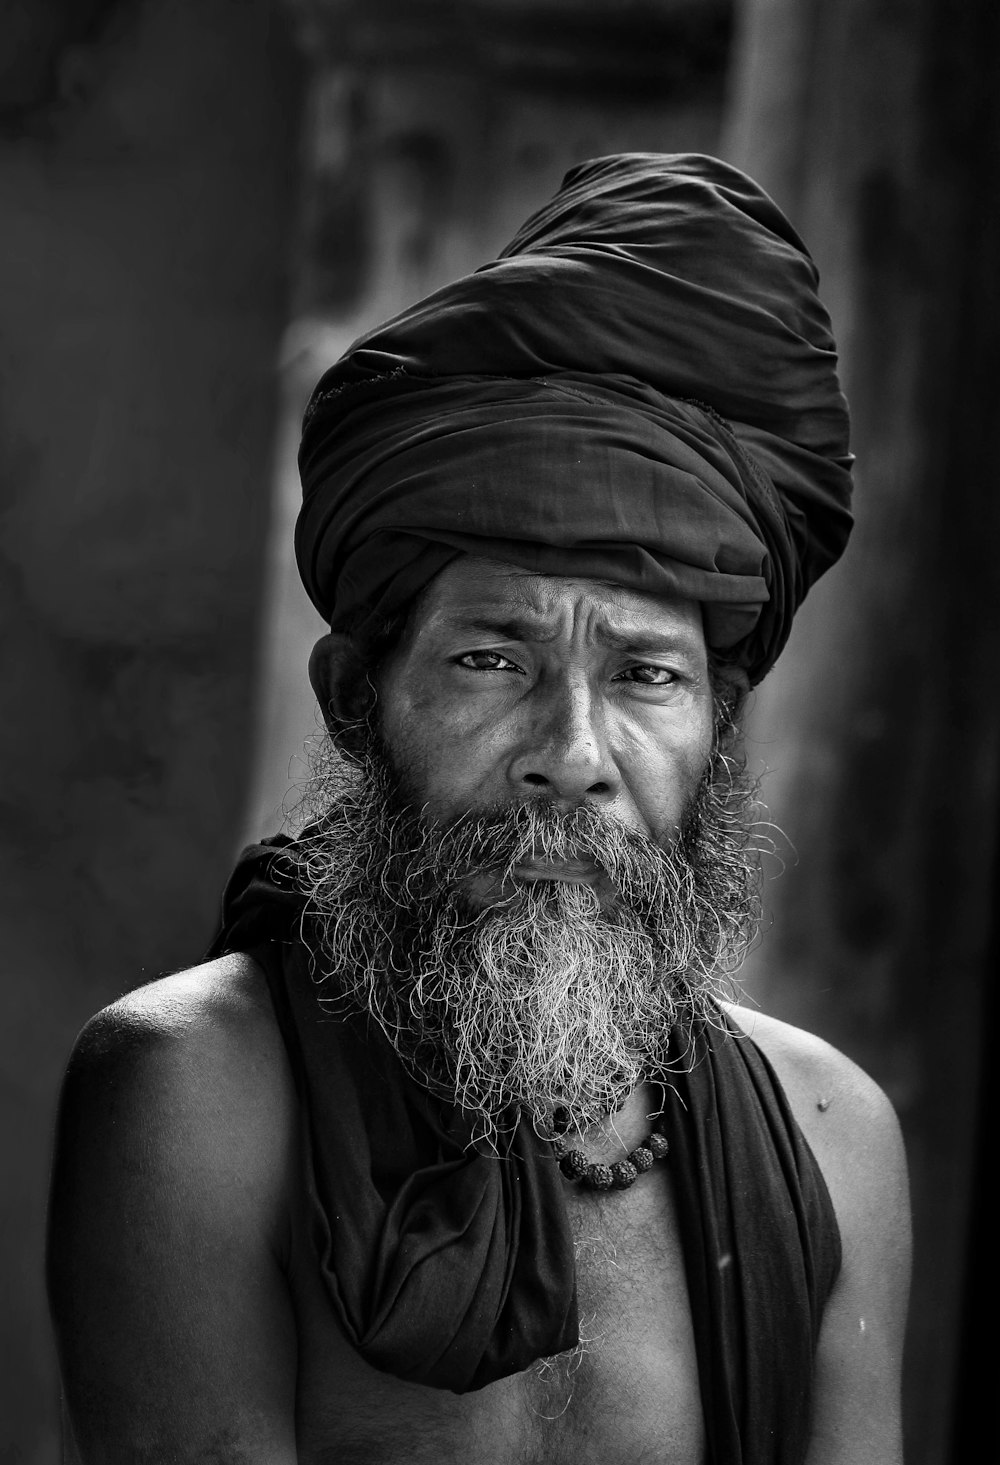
(857, 1410)
(855, 1136)
(170, 1307)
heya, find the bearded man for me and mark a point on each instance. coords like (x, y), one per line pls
(458, 1148)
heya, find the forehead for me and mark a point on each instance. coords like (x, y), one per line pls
(472, 592)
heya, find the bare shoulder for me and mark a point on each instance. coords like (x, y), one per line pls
(839, 1107)
(194, 1061)
(855, 1135)
(849, 1123)
(168, 1223)
(182, 1084)
(208, 1008)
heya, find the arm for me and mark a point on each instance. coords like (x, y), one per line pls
(855, 1136)
(857, 1417)
(172, 1317)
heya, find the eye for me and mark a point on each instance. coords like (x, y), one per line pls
(486, 661)
(648, 676)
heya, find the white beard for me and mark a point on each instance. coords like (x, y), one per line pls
(550, 996)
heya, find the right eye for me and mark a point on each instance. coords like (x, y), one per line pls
(486, 661)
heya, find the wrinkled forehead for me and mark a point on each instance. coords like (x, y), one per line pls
(473, 593)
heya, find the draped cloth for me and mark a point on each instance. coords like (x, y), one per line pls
(453, 1268)
(642, 388)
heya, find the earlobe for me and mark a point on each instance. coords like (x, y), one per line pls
(339, 681)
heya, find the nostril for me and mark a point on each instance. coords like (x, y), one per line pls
(537, 780)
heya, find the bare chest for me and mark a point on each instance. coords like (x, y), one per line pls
(629, 1393)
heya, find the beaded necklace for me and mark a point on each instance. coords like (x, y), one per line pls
(576, 1167)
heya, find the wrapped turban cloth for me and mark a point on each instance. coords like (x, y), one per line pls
(641, 389)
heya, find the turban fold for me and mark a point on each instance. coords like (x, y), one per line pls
(642, 388)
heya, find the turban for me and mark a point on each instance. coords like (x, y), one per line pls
(642, 388)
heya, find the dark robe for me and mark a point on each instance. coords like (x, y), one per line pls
(452, 1268)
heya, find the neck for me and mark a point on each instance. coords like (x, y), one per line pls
(621, 1131)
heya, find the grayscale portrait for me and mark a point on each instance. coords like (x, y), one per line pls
(497, 561)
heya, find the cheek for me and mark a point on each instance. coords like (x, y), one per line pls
(663, 769)
(440, 750)
(409, 731)
(695, 753)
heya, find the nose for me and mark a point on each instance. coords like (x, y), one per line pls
(564, 751)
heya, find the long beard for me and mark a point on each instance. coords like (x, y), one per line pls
(549, 993)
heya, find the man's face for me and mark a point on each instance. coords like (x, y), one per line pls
(511, 686)
(534, 865)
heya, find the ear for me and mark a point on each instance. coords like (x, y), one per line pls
(340, 681)
(731, 687)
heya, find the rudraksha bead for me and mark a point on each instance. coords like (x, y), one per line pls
(574, 1164)
(624, 1174)
(600, 1177)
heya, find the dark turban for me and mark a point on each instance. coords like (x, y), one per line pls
(642, 389)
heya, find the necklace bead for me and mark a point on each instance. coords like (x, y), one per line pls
(574, 1164)
(599, 1177)
(624, 1174)
(576, 1167)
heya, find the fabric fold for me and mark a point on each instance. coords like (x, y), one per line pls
(642, 387)
(455, 1269)
(444, 1266)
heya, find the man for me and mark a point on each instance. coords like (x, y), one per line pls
(456, 1149)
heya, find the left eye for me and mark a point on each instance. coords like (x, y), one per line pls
(649, 676)
(486, 661)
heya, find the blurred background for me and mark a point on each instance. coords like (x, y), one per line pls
(202, 203)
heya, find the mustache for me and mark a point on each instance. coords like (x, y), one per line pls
(501, 840)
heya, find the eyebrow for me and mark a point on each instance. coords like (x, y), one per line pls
(511, 628)
(526, 628)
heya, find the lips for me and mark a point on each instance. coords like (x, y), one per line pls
(491, 888)
(577, 872)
